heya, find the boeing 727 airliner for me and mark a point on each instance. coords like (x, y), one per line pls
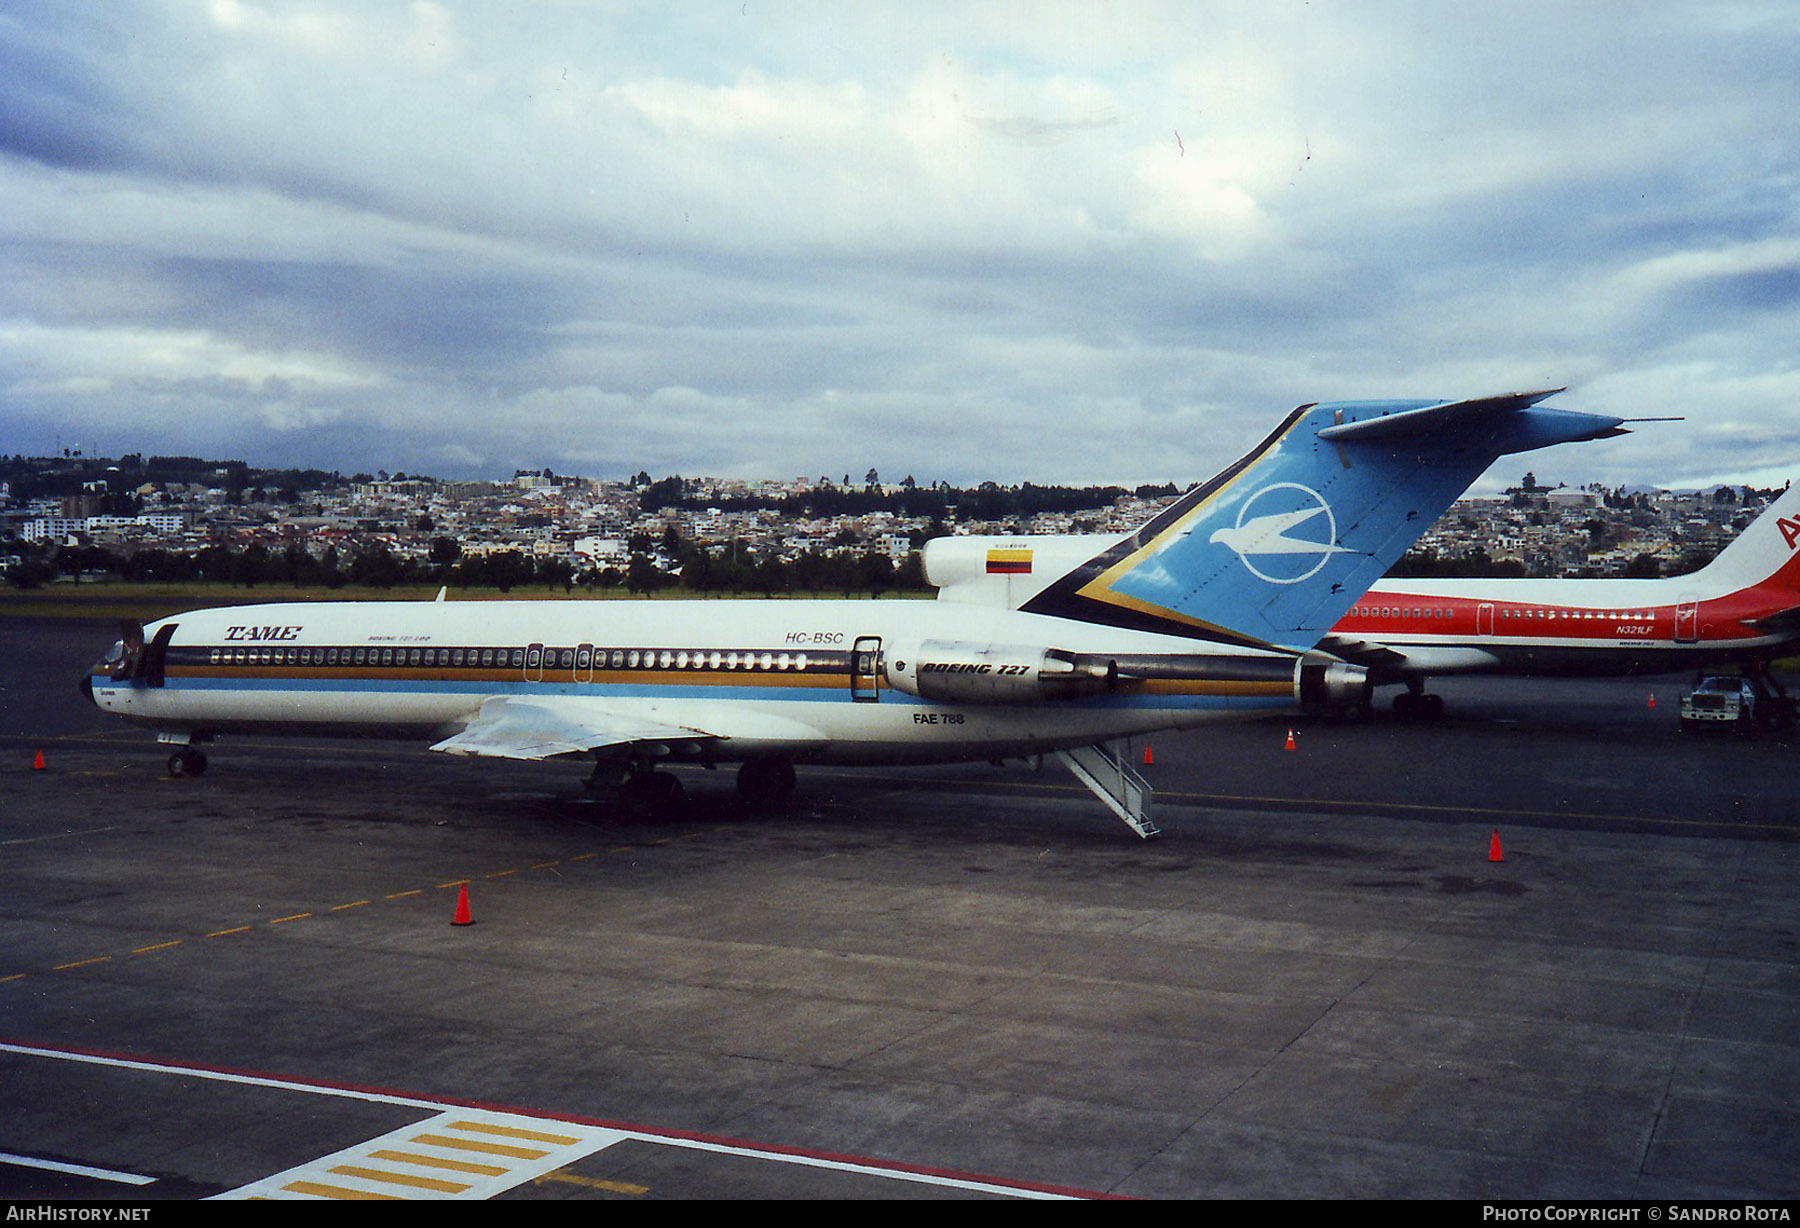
(1210, 611)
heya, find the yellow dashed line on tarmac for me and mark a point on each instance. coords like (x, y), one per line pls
(81, 963)
(397, 895)
(593, 1183)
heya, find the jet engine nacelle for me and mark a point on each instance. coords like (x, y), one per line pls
(1325, 681)
(953, 672)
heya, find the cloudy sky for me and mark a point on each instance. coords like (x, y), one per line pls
(1055, 242)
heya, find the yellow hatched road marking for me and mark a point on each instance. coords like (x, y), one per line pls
(436, 1158)
(318, 1190)
(430, 1161)
(434, 1184)
(470, 1144)
(536, 1136)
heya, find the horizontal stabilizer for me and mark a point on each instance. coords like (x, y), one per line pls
(1502, 412)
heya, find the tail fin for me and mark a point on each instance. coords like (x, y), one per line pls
(1273, 550)
(1765, 555)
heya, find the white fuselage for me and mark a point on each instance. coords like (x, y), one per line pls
(824, 681)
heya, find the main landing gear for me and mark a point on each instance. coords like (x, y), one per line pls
(650, 795)
(1416, 704)
(1775, 708)
(766, 785)
(187, 762)
(644, 793)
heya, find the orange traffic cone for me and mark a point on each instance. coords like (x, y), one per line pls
(1149, 759)
(1290, 741)
(1494, 847)
(37, 764)
(462, 908)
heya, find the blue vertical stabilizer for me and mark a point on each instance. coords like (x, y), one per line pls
(1276, 548)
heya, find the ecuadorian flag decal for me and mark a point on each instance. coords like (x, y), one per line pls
(1001, 562)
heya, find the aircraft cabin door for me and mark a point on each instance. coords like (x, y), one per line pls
(1687, 622)
(865, 669)
(1484, 618)
(534, 663)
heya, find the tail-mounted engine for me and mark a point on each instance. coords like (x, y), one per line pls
(954, 672)
(1324, 681)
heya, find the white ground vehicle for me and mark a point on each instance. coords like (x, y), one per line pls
(1721, 700)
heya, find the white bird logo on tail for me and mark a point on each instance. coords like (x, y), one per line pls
(1268, 534)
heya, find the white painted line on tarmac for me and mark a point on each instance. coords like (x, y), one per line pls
(412, 1169)
(76, 1170)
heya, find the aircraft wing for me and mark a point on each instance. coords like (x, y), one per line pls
(508, 728)
(511, 728)
(1782, 620)
(1362, 652)
(1389, 664)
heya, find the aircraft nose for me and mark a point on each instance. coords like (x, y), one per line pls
(86, 686)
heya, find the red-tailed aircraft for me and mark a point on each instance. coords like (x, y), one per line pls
(1741, 609)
